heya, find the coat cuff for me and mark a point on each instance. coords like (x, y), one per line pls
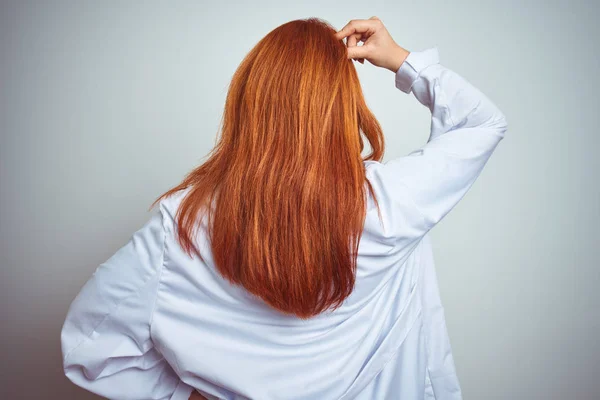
(182, 392)
(412, 66)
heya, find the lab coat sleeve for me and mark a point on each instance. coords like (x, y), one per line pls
(106, 343)
(465, 129)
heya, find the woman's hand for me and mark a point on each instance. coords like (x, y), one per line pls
(379, 48)
(196, 396)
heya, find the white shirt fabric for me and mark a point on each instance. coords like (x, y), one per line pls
(153, 323)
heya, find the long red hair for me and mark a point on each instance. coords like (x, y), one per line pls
(289, 171)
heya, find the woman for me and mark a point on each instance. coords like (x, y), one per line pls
(312, 275)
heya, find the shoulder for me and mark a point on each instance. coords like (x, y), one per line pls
(402, 220)
(371, 166)
(169, 205)
(370, 163)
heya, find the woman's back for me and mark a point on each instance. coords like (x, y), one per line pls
(254, 351)
(155, 323)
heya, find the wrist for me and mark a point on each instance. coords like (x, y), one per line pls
(399, 55)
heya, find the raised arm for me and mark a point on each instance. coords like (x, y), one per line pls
(417, 190)
(465, 129)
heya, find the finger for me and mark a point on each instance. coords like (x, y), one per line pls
(359, 37)
(351, 41)
(358, 51)
(356, 25)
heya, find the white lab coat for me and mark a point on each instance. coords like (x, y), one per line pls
(153, 323)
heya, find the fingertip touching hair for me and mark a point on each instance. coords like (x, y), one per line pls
(286, 180)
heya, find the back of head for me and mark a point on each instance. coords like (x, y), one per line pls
(287, 177)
